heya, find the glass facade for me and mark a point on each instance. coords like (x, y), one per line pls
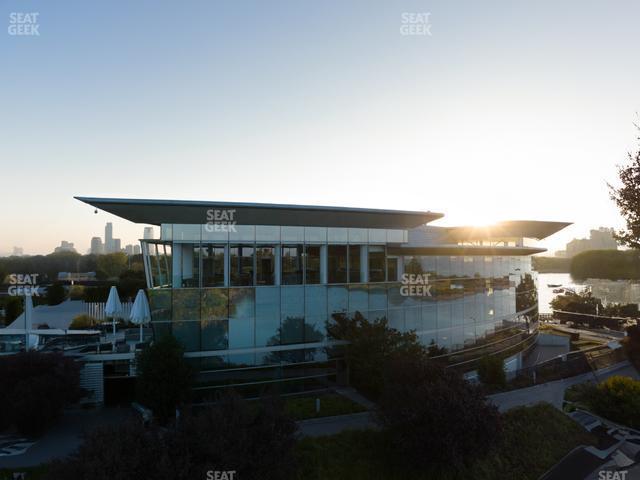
(254, 303)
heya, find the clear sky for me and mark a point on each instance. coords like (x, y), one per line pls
(508, 110)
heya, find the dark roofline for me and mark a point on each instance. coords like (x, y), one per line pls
(536, 229)
(464, 250)
(156, 212)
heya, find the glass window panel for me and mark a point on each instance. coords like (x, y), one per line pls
(215, 334)
(186, 304)
(429, 316)
(412, 319)
(212, 266)
(267, 316)
(265, 265)
(395, 297)
(354, 264)
(190, 266)
(312, 264)
(395, 236)
(241, 265)
(186, 232)
(376, 265)
(457, 266)
(216, 232)
(444, 315)
(315, 300)
(292, 234)
(396, 319)
(188, 333)
(358, 298)
(337, 235)
(292, 329)
(358, 235)
(377, 235)
(166, 231)
(244, 233)
(457, 312)
(242, 302)
(337, 263)
(315, 234)
(377, 297)
(241, 332)
(392, 269)
(214, 303)
(160, 304)
(292, 261)
(338, 299)
(412, 265)
(314, 329)
(267, 233)
(444, 266)
(292, 301)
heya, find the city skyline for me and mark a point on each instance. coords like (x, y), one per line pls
(490, 97)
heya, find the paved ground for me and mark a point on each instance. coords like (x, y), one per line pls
(553, 392)
(64, 437)
(317, 427)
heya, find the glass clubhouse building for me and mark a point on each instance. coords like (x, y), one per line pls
(249, 288)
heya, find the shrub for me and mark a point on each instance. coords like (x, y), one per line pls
(164, 377)
(82, 322)
(76, 292)
(433, 416)
(56, 294)
(491, 371)
(35, 389)
(256, 443)
(371, 345)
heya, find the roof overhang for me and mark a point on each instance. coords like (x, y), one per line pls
(508, 229)
(157, 212)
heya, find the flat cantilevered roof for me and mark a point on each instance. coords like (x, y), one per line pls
(508, 229)
(156, 212)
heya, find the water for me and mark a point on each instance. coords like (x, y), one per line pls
(609, 291)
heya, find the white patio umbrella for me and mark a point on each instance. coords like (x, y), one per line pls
(140, 312)
(113, 308)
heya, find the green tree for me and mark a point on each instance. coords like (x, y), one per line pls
(112, 265)
(432, 416)
(627, 198)
(164, 377)
(371, 345)
(491, 371)
(14, 306)
(56, 294)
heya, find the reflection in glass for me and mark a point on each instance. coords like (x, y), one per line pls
(265, 266)
(354, 264)
(337, 263)
(212, 266)
(376, 265)
(292, 261)
(241, 265)
(312, 264)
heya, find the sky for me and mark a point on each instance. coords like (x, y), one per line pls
(507, 110)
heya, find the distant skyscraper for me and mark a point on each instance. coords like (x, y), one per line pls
(600, 239)
(17, 251)
(97, 248)
(65, 247)
(128, 250)
(148, 233)
(108, 238)
(116, 245)
(136, 250)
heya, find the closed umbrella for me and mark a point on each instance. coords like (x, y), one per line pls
(140, 312)
(113, 308)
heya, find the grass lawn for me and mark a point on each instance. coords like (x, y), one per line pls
(535, 438)
(302, 408)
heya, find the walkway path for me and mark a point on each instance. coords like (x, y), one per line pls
(553, 392)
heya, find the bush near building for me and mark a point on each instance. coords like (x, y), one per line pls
(164, 378)
(231, 436)
(617, 399)
(432, 416)
(491, 371)
(533, 440)
(35, 389)
(82, 322)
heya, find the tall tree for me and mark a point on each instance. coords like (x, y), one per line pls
(627, 198)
